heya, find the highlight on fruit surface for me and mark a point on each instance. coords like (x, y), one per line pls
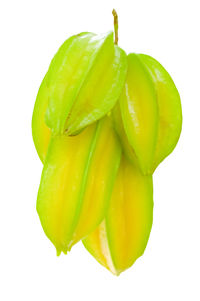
(151, 111)
(123, 235)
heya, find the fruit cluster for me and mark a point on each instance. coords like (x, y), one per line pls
(102, 123)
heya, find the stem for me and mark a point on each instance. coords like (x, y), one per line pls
(115, 25)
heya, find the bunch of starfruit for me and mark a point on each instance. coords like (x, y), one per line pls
(102, 122)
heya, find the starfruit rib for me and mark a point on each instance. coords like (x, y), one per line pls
(104, 82)
(170, 112)
(134, 211)
(85, 179)
(139, 109)
(96, 244)
(102, 174)
(92, 70)
(56, 63)
(122, 236)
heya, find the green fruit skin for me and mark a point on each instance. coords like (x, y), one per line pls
(85, 79)
(150, 110)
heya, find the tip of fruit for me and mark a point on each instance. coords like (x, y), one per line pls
(58, 252)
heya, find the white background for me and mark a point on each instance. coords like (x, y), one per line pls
(31, 32)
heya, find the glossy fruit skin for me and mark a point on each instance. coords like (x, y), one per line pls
(150, 109)
(84, 80)
(123, 235)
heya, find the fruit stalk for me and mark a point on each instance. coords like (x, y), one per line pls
(115, 25)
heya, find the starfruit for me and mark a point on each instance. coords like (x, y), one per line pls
(151, 111)
(84, 81)
(77, 178)
(87, 191)
(123, 235)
